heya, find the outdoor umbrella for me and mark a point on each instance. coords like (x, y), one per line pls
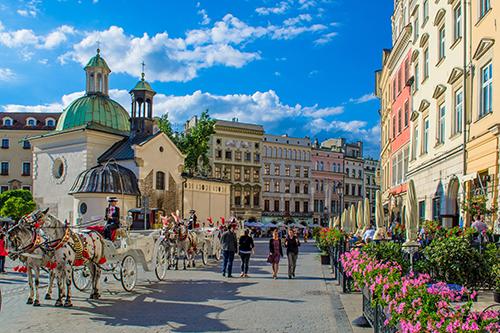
(336, 222)
(345, 220)
(352, 219)
(367, 215)
(359, 220)
(411, 215)
(380, 233)
(330, 223)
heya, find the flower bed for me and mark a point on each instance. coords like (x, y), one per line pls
(411, 302)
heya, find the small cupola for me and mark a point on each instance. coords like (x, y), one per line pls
(97, 75)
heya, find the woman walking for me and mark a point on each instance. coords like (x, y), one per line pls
(3, 252)
(292, 244)
(275, 252)
(246, 249)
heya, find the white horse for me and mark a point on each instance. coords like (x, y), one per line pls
(25, 244)
(186, 242)
(73, 249)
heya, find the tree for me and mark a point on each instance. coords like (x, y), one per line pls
(193, 143)
(23, 194)
(16, 207)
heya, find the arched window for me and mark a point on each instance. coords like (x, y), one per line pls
(160, 180)
(99, 83)
(31, 122)
(279, 153)
(50, 122)
(7, 121)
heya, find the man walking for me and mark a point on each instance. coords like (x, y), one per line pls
(229, 244)
(292, 244)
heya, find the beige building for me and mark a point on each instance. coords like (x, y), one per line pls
(235, 156)
(210, 198)
(372, 184)
(286, 179)
(482, 109)
(16, 158)
(437, 163)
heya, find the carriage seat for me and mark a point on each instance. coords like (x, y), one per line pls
(100, 229)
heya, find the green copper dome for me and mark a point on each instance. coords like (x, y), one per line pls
(143, 85)
(95, 109)
(97, 61)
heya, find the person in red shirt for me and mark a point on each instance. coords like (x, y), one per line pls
(3, 252)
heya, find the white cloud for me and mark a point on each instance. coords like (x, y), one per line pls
(31, 9)
(353, 129)
(363, 99)
(6, 74)
(290, 32)
(204, 17)
(19, 38)
(298, 19)
(27, 37)
(225, 43)
(326, 38)
(58, 36)
(277, 73)
(313, 73)
(2, 27)
(280, 8)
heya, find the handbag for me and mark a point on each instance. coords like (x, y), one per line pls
(270, 258)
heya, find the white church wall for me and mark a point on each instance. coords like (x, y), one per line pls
(92, 206)
(77, 152)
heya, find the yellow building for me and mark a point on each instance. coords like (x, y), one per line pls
(484, 118)
(235, 156)
(16, 157)
(208, 197)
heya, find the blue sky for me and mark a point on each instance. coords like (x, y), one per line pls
(301, 67)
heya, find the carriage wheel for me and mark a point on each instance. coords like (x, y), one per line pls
(128, 273)
(217, 250)
(82, 278)
(204, 254)
(162, 262)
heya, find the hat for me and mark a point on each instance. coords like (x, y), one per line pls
(192, 211)
(112, 199)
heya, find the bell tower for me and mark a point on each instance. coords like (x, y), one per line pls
(97, 74)
(141, 122)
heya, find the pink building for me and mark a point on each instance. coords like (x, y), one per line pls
(328, 183)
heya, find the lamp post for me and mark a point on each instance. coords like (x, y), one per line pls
(325, 211)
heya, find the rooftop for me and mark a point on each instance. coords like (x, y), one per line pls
(19, 120)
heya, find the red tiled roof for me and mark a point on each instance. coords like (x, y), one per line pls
(20, 120)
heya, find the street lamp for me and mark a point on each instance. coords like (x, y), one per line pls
(325, 215)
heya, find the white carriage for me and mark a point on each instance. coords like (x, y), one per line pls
(123, 255)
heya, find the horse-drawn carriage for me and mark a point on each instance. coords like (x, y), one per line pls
(123, 254)
(79, 256)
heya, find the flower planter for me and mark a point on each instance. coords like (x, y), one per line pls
(496, 296)
(325, 259)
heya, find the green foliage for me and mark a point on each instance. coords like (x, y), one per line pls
(193, 143)
(453, 259)
(478, 205)
(16, 207)
(387, 252)
(23, 194)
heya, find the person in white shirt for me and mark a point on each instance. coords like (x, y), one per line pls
(369, 233)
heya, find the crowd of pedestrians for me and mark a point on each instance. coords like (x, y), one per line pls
(245, 247)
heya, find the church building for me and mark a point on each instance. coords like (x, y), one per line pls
(99, 150)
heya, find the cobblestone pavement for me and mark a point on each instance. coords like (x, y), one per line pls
(196, 300)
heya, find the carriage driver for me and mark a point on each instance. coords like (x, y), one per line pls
(112, 217)
(192, 219)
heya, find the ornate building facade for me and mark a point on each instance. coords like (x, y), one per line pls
(16, 161)
(286, 179)
(328, 182)
(235, 156)
(393, 87)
